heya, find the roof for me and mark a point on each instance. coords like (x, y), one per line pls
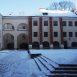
(56, 13)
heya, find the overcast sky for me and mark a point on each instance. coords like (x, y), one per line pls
(28, 6)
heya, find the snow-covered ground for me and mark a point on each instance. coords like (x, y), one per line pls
(61, 56)
(17, 63)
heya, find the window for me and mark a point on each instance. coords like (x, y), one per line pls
(70, 23)
(35, 34)
(45, 13)
(23, 37)
(45, 34)
(12, 37)
(35, 23)
(45, 23)
(75, 34)
(70, 34)
(0, 33)
(75, 23)
(12, 27)
(55, 34)
(55, 23)
(23, 27)
(64, 34)
(64, 23)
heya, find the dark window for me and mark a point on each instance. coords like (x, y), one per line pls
(75, 34)
(23, 27)
(35, 45)
(35, 34)
(70, 34)
(55, 23)
(75, 23)
(35, 23)
(12, 27)
(45, 23)
(64, 34)
(64, 23)
(23, 37)
(55, 34)
(70, 23)
(45, 34)
(45, 13)
(12, 37)
(74, 44)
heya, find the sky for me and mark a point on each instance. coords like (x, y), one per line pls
(28, 6)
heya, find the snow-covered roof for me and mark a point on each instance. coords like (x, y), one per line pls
(57, 13)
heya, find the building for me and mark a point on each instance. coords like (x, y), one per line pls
(46, 29)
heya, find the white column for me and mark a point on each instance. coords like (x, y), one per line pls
(41, 46)
(30, 46)
(51, 46)
(62, 46)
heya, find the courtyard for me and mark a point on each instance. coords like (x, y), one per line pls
(17, 63)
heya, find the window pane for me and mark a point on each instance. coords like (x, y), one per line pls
(75, 23)
(0, 33)
(12, 27)
(64, 34)
(55, 34)
(45, 23)
(55, 23)
(45, 34)
(23, 27)
(70, 23)
(70, 34)
(23, 37)
(12, 37)
(75, 34)
(35, 23)
(35, 34)
(64, 23)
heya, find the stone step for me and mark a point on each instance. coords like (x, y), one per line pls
(65, 71)
(66, 68)
(62, 75)
(42, 67)
(48, 66)
(50, 62)
(68, 65)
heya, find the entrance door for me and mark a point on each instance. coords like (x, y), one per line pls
(65, 45)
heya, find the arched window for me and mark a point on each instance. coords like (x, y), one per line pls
(73, 44)
(45, 44)
(24, 46)
(55, 44)
(35, 45)
(10, 46)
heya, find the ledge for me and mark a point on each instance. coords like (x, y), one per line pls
(8, 29)
(22, 29)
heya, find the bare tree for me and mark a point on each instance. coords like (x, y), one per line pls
(63, 4)
(70, 5)
(66, 5)
(53, 6)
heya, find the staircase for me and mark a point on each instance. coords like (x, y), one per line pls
(53, 69)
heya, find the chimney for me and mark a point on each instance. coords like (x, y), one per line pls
(42, 9)
(63, 9)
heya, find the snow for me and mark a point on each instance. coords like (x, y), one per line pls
(57, 13)
(61, 56)
(17, 63)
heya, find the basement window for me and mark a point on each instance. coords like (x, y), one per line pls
(45, 13)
